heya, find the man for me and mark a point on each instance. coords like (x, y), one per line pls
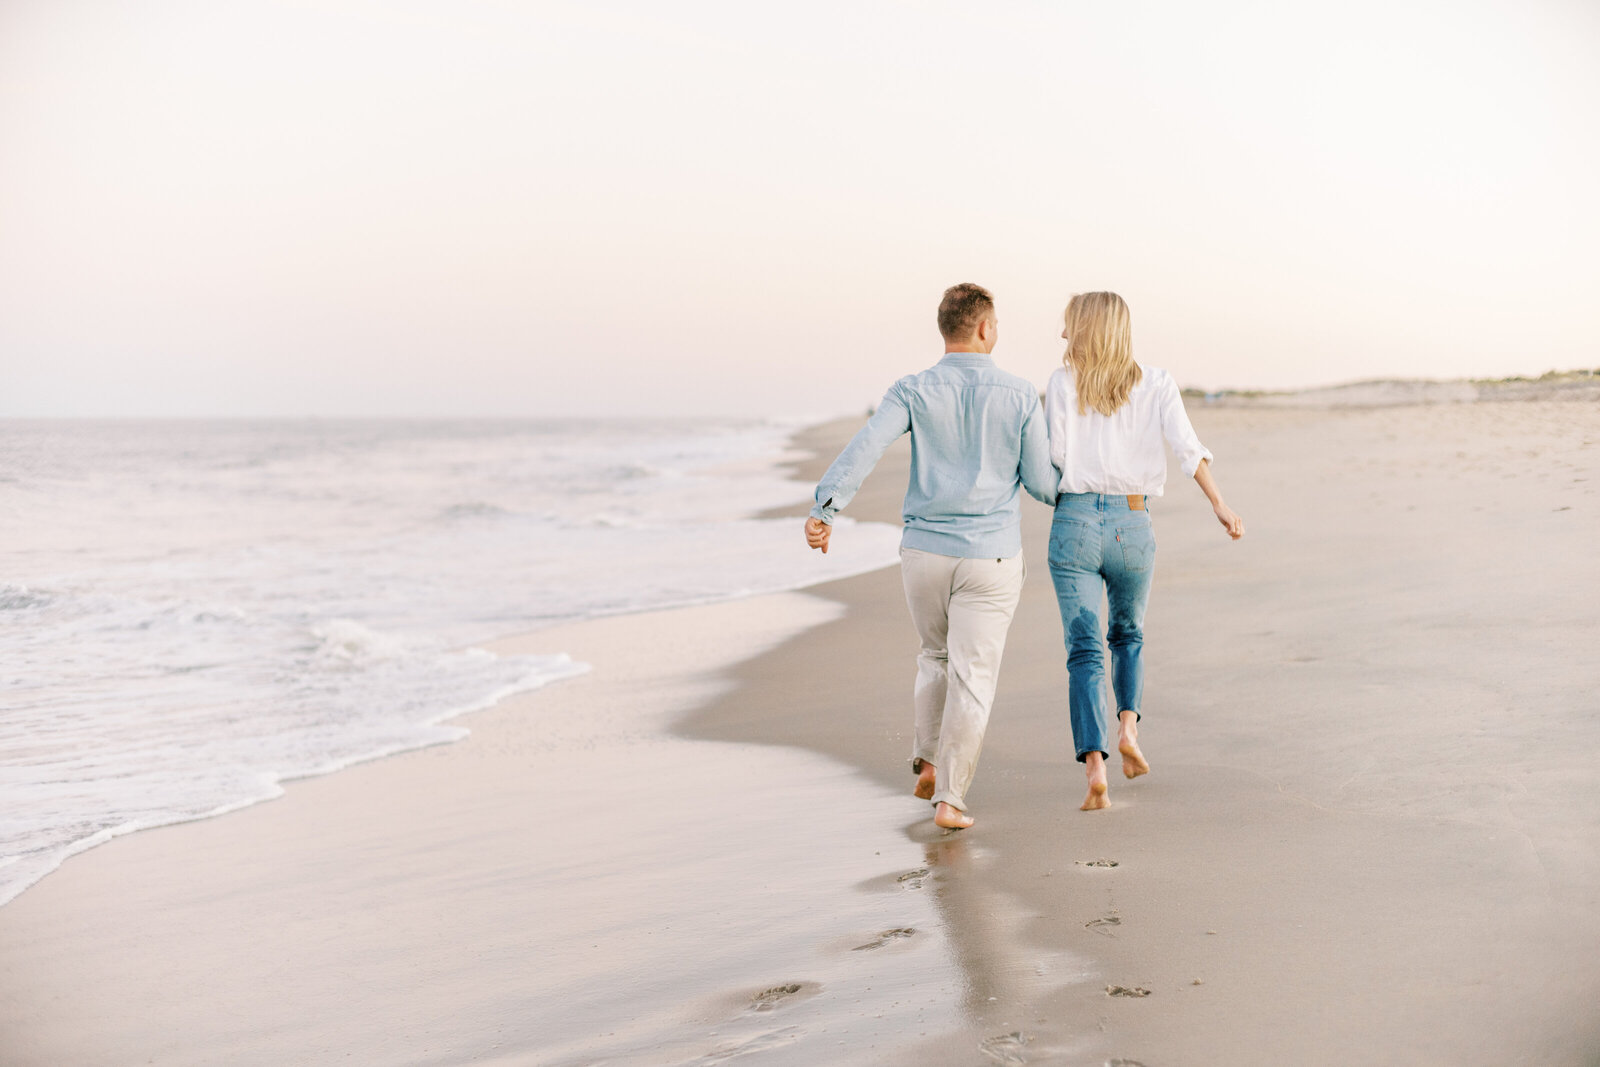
(977, 435)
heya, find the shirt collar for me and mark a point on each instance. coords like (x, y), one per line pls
(969, 358)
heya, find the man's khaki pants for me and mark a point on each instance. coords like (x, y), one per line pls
(962, 609)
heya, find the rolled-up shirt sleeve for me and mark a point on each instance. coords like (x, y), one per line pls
(845, 475)
(1178, 431)
(1055, 401)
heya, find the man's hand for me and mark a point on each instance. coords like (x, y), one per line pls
(817, 534)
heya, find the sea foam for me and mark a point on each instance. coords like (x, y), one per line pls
(193, 613)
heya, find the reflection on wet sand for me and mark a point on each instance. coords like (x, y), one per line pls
(1005, 977)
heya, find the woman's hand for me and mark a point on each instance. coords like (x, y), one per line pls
(1229, 519)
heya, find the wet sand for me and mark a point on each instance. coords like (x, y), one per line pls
(569, 885)
(1372, 832)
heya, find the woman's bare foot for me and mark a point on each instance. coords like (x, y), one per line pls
(925, 782)
(951, 818)
(1095, 766)
(1133, 761)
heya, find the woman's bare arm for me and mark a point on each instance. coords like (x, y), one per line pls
(1225, 515)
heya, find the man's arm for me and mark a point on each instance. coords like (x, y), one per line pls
(1039, 476)
(838, 486)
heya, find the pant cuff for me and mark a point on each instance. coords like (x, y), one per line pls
(944, 796)
(1083, 757)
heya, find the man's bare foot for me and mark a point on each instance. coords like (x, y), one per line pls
(1133, 761)
(1095, 766)
(925, 782)
(951, 818)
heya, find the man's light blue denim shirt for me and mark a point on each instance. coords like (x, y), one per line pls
(977, 438)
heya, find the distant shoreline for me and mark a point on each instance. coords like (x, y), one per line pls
(1371, 392)
(1400, 392)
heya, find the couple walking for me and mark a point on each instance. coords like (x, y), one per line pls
(978, 438)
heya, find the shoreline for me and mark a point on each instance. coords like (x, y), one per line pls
(295, 931)
(280, 696)
(274, 785)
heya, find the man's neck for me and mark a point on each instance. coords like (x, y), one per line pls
(966, 350)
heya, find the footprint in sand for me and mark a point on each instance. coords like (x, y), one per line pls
(1102, 925)
(1125, 991)
(1007, 1048)
(768, 999)
(1097, 863)
(1123, 1063)
(887, 936)
(913, 879)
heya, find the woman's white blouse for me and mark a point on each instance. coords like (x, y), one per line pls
(1120, 453)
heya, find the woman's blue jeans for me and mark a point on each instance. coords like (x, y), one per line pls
(1097, 542)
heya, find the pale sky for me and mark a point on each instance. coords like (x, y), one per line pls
(464, 207)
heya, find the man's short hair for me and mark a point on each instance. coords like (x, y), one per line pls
(963, 307)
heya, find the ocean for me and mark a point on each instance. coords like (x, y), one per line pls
(193, 612)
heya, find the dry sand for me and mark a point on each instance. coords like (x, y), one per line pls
(1372, 833)
(1373, 830)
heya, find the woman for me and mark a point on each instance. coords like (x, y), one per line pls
(1107, 417)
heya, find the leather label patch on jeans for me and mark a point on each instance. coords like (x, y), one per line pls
(1135, 502)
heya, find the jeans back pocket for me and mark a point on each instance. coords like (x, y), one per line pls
(1138, 547)
(1070, 543)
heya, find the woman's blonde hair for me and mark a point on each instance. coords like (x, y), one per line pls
(1100, 351)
